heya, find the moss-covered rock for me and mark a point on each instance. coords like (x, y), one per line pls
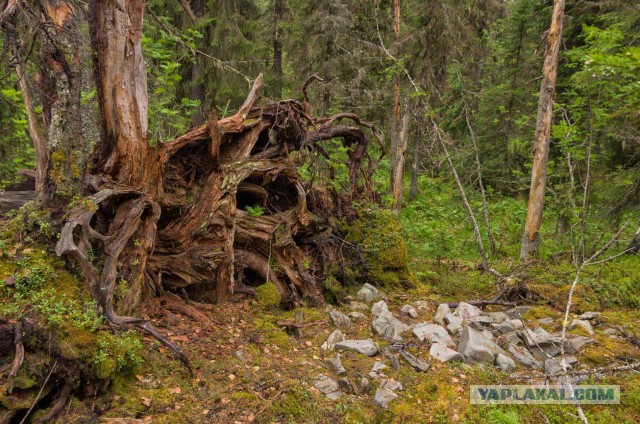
(379, 238)
(268, 295)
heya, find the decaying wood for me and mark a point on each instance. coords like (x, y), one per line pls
(531, 238)
(18, 358)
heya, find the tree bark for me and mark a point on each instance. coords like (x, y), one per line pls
(401, 150)
(531, 237)
(121, 81)
(278, 13)
(61, 85)
(396, 118)
(415, 163)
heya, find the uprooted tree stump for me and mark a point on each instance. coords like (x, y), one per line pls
(222, 207)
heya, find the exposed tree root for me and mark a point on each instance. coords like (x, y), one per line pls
(18, 358)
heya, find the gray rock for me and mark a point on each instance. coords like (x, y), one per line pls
(612, 332)
(362, 386)
(536, 337)
(333, 338)
(546, 321)
(383, 397)
(585, 325)
(481, 319)
(505, 363)
(421, 305)
(506, 327)
(577, 343)
(518, 312)
(467, 311)
(334, 395)
(453, 319)
(409, 311)
(358, 306)
(416, 363)
(368, 293)
(546, 350)
(339, 319)
(487, 334)
(364, 347)
(391, 384)
(432, 332)
(454, 329)
(498, 317)
(388, 326)
(346, 385)
(326, 385)
(475, 348)
(442, 353)
(588, 316)
(441, 313)
(524, 356)
(377, 368)
(516, 323)
(357, 316)
(395, 363)
(553, 366)
(378, 308)
(336, 364)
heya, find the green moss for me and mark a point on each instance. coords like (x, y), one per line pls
(378, 235)
(268, 295)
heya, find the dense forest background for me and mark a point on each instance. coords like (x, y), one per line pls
(420, 187)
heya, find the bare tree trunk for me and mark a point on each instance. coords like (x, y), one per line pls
(531, 237)
(634, 245)
(61, 85)
(415, 163)
(278, 12)
(401, 150)
(485, 209)
(33, 125)
(198, 91)
(396, 118)
(121, 81)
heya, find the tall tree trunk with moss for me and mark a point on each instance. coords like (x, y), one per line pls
(531, 237)
(278, 14)
(398, 129)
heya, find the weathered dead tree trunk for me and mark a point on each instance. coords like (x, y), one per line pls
(531, 237)
(398, 170)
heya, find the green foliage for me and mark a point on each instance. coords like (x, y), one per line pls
(255, 210)
(496, 416)
(122, 353)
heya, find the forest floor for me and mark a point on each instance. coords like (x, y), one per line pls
(249, 369)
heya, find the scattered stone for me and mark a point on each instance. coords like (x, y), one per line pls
(416, 363)
(242, 356)
(357, 316)
(546, 350)
(516, 323)
(553, 366)
(612, 332)
(487, 334)
(505, 363)
(453, 319)
(524, 356)
(546, 321)
(395, 363)
(377, 367)
(536, 337)
(328, 386)
(509, 338)
(585, 325)
(409, 311)
(588, 316)
(378, 308)
(358, 306)
(518, 312)
(474, 347)
(442, 353)
(383, 397)
(333, 338)
(368, 293)
(576, 344)
(498, 317)
(482, 319)
(433, 332)
(454, 329)
(391, 384)
(362, 386)
(364, 347)
(346, 385)
(336, 364)
(388, 326)
(339, 319)
(441, 313)
(421, 305)
(468, 311)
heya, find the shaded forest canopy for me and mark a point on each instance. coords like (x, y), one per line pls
(282, 153)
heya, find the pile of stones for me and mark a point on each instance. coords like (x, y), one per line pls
(465, 333)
